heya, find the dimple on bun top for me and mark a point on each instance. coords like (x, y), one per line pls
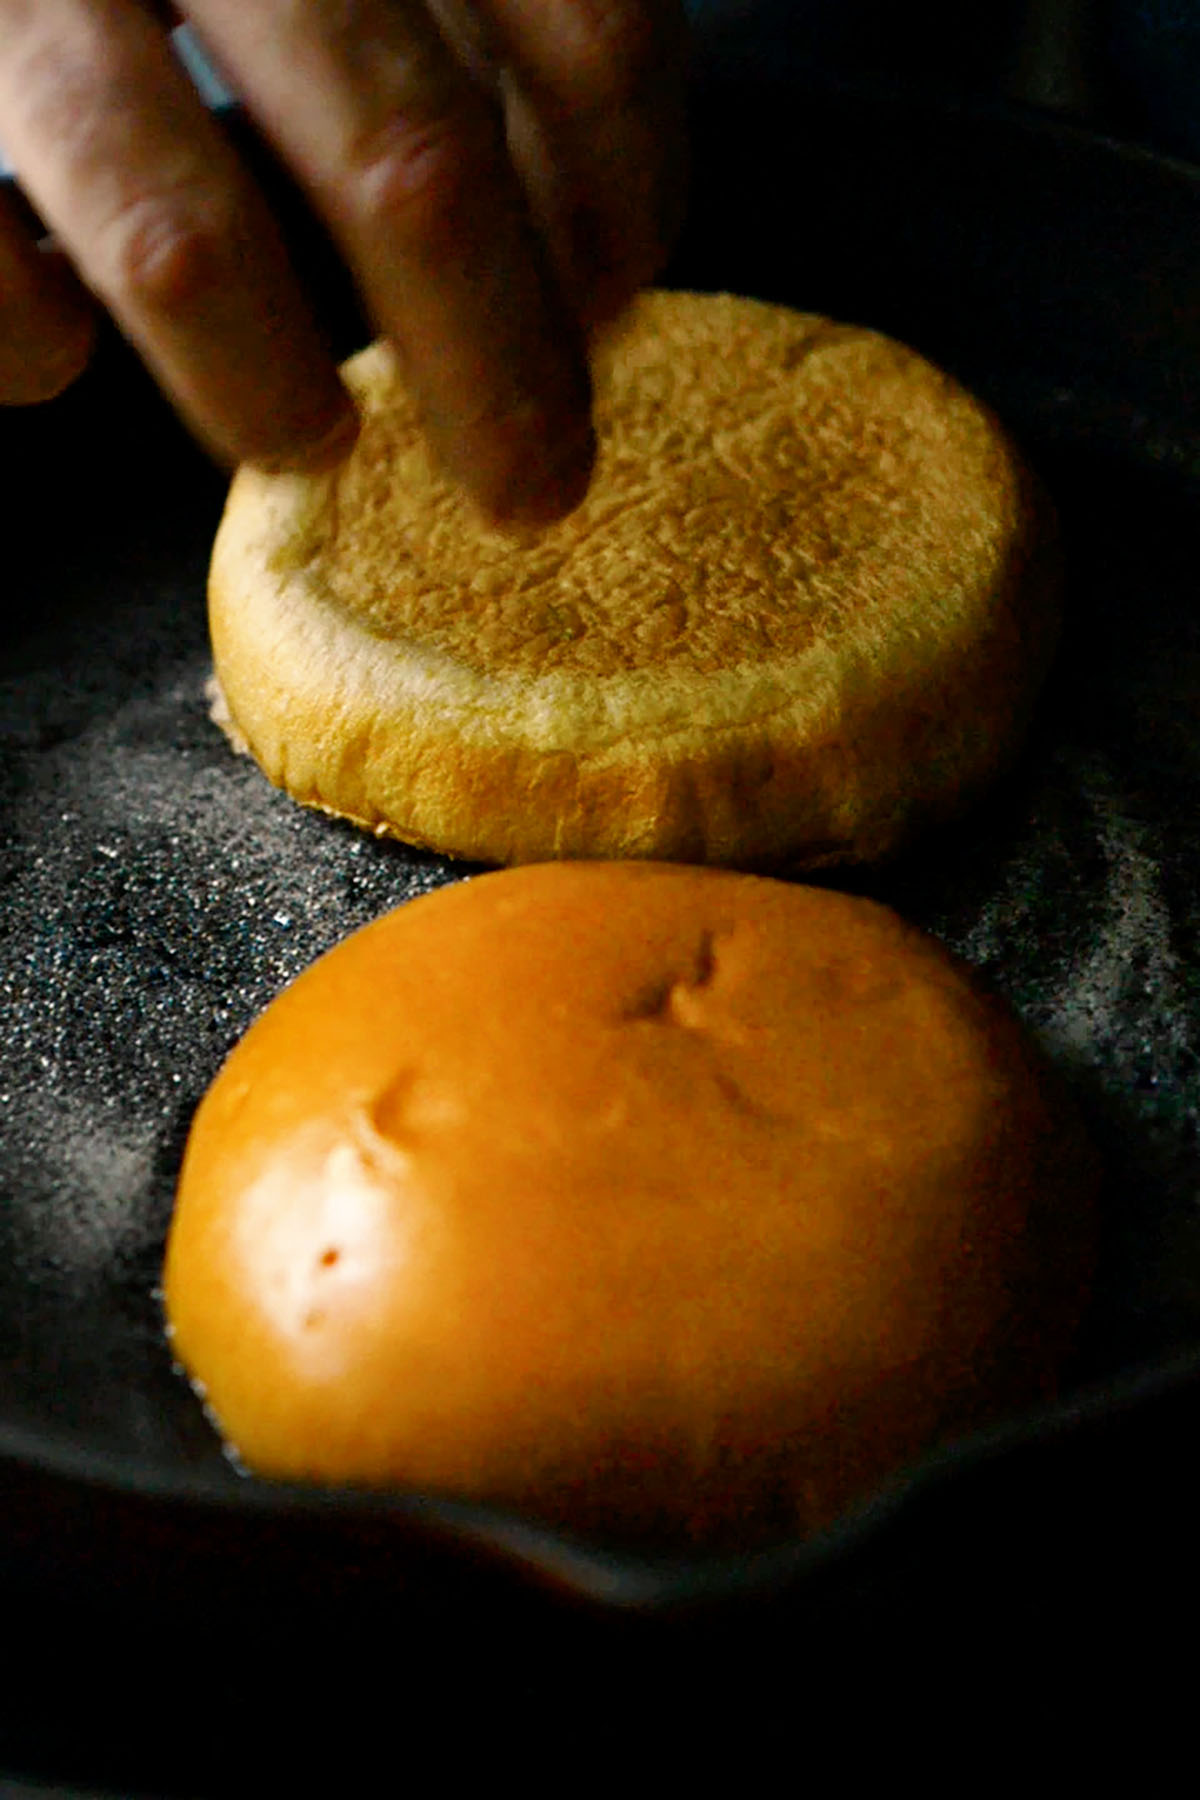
(664, 1204)
(802, 613)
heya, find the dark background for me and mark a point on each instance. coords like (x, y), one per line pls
(1129, 67)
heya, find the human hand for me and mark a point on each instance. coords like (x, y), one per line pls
(500, 175)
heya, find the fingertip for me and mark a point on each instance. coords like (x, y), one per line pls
(53, 366)
(542, 488)
(315, 452)
(48, 331)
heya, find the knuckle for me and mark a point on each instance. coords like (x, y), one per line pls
(417, 173)
(149, 225)
(164, 254)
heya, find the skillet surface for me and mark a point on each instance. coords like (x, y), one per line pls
(158, 893)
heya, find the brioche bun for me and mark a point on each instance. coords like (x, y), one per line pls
(802, 612)
(659, 1203)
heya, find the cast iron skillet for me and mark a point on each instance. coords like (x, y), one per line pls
(157, 893)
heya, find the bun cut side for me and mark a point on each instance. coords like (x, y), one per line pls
(802, 613)
(662, 1204)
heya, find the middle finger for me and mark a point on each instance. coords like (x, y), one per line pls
(404, 156)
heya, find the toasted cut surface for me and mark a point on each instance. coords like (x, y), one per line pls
(660, 1203)
(802, 612)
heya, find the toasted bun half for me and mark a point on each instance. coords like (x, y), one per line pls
(802, 612)
(659, 1203)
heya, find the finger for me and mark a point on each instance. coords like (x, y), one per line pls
(404, 156)
(47, 322)
(119, 156)
(595, 91)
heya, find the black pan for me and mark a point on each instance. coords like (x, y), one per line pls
(154, 1604)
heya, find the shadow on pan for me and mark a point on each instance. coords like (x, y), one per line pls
(156, 897)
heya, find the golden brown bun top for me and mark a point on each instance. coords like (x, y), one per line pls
(763, 474)
(802, 613)
(642, 1198)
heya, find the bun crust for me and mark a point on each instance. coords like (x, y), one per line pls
(802, 612)
(655, 1202)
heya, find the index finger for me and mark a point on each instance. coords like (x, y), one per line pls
(405, 157)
